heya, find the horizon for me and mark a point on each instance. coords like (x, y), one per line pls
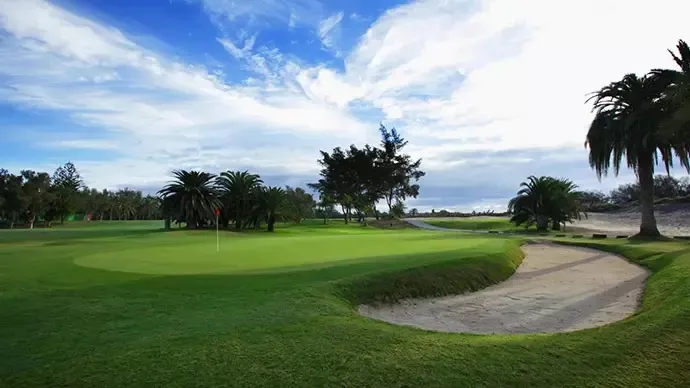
(487, 93)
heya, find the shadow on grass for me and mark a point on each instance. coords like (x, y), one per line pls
(57, 237)
(442, 235)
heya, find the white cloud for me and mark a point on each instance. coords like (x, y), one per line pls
(327, 27)
(154, 107)
(456, 76)
(85, 144)
(504, 74)
(290, 12)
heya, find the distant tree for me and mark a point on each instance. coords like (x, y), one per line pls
(298, 204)
(564, 203)
(275, 197)
(543, 200)
(399, 171)
(36, 193)
(666, 186)
(238, 193)
(326, 206)
(66, 182)
(590, 199)
(191, 197)
(13, 200)
(357, 178)
(684, 186)
(398, 209)
(625, 193)
(4, 174)
(336, 180)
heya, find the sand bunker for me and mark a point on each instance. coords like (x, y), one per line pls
(556, 289)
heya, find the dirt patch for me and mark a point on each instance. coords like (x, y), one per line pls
(556, 289)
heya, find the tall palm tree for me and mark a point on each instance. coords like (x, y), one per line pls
(628, 116)
(191, 197)
(237, 189)
(274, 197)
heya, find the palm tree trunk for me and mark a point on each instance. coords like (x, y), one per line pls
(271, 223)
(645, 175)
(555, 225)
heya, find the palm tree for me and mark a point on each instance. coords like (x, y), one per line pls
(564, 203)
(238, 189)
(274, 198)
(677, 93)
(150, 206)
(191, 197)
(628, 116)
(531, 205)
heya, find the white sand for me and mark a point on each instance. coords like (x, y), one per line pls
(556, 289)
(628, 223)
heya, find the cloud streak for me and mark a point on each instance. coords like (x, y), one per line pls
(327, 28)
(288, 12)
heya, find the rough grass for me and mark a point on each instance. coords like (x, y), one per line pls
(290, 321)
(502, 224)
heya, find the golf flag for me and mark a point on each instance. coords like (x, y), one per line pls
(217, 238)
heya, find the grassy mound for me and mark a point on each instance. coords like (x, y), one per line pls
(455, 276)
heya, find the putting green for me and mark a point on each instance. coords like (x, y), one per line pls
(280, 253)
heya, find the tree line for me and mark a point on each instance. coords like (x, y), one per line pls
(199, 199)
(357, 178)
(666, 188)
(32, 197)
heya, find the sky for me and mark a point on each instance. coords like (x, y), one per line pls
(487, 92)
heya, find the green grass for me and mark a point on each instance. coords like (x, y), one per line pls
(128, 305)
(502, 224)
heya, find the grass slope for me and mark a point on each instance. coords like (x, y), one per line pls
(78, 308)
(476, 223)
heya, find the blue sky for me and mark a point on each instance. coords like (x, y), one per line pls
(486, 91)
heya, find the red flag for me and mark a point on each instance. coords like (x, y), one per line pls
(217, 212)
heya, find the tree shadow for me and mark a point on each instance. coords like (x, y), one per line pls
(566, 317)
(561, 267)
(57, 237)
